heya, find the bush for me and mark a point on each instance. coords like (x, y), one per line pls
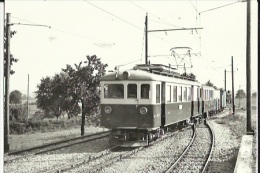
(17, 127)
(18, 113)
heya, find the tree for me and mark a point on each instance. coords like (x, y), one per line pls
(44, 94)
(254, 94)
(15, 97)
(208, 83)
(189, 75)
(84, 86)
(51, 94)
(240, 94)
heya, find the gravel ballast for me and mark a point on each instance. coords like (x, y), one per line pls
(155, 158)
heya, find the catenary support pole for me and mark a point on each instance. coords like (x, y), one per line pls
(146, 39)
(225, 80)
(248, 70)
(7, 79)
(28, 99)
(233, 96)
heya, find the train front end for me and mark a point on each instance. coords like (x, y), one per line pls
(128, 109)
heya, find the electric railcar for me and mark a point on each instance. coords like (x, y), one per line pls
(140, 104)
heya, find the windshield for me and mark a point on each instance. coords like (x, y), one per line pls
(114, 91)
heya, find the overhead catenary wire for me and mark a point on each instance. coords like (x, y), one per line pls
(125, 20)
(219, 7)
(79, 35)
(195, 8)
(59, 30)
(113, 15)
(169, 23)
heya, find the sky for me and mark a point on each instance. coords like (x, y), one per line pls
(114, 31)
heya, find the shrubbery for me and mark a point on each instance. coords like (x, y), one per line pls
(41, 125)
(39, 122)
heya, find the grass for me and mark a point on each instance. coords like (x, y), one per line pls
(18, 142)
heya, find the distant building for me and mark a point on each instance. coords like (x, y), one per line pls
(30, 101)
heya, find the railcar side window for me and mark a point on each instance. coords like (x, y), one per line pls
(114, 91)
(189, 93)
(131, 91)
(180, 94)
(185, 94)
(157, 93)
(145, 90)
(198, 93)
(168, 93)
(174, 93)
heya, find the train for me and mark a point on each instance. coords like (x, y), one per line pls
(139, 105)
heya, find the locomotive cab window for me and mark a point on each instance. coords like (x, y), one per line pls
(114, 91)
(145, 90)
(131, 91)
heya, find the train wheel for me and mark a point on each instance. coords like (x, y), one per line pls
(149, 137)
(161, 132)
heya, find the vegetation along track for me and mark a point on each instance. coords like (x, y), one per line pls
(21, 154)
(196, 156)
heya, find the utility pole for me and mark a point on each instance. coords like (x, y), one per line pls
(7, 79)
(239, 94)
(146, 39)
(28, 99)
(233, 96)
(248, 71)
(225, 80)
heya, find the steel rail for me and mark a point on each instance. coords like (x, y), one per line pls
(211, 149)
(78, 163)
(184, 152)
(104, 164)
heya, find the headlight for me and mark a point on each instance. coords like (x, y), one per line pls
(108, 109)
(143, 110)
(126, 74)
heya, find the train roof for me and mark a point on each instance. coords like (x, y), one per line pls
(141, 75)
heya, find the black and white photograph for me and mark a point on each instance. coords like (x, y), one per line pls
(131, 86)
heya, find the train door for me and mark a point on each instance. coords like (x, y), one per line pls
(192, 102)
(163, 104)
(202, 100)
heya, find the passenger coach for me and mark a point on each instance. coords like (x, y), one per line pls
(139, 104)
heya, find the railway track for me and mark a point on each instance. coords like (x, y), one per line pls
(197, 154)
(94, 162)
(22, 154)
(103, 159)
